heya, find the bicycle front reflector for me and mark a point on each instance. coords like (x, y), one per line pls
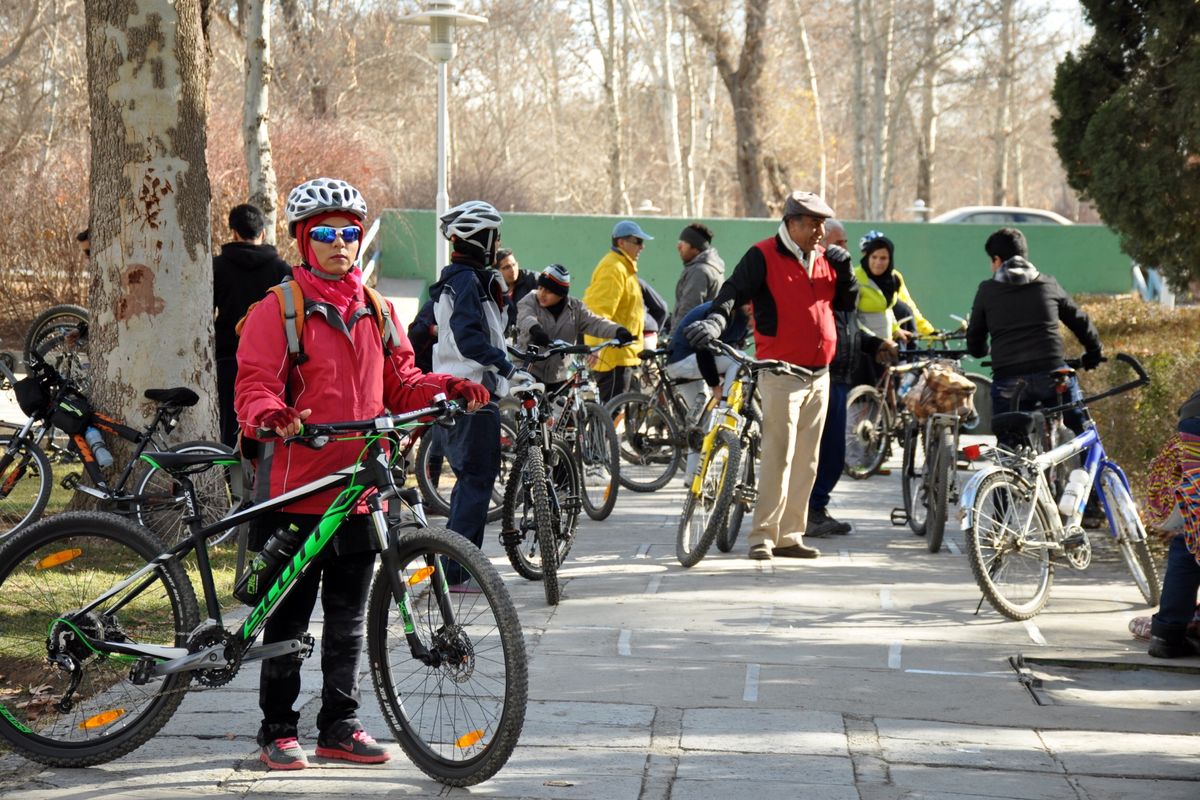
(58, 559)
(420, 575)
(468, 739)
(100, 720)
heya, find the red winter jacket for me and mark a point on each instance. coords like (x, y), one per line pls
(344, 378)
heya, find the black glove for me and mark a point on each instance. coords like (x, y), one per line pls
(538, 337)
(623, 335)
(838, 258)
(703, 331)
(1091, 359)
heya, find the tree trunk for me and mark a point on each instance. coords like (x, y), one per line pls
(926, 133)
(814, 88)
(151, 296)
(612, 100)
(670, 111)
(862, 181)
(256, 138)
(884, 42)
(1002, 132)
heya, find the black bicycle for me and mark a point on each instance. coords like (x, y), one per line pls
(101, 634)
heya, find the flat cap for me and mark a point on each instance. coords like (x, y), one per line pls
(807, 204)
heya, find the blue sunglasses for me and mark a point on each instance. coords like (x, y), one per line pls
(327, 235)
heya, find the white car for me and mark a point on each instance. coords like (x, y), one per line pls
(1002, 215)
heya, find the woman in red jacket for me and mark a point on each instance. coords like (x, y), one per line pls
(344, 371)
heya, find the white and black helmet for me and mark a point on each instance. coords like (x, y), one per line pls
(320, 195)
(468, 219)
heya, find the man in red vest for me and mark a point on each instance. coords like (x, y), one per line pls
(794, 285)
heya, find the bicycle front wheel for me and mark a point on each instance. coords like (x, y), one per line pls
(1008, 544)
(63, 702)
(939, 473)
(867, 434)
(728, 535)
(161, 510)
(706, 511)
(25, 484)
(651, 446)
(449, 670)
(600, 460)
(1127, 527)
(912, 478)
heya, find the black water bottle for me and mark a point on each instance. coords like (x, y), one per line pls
(269, 562)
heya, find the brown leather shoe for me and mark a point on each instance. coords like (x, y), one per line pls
(760, 552)
(796, 551)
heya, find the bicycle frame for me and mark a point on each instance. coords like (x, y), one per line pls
(373, 466)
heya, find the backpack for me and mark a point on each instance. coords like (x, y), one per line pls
(291, 314)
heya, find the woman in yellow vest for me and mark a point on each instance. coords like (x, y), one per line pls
(880, 288)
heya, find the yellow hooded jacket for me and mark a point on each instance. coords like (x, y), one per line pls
(875, 312)
(616, 295)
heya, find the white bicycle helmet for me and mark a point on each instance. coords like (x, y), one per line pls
(320, 195)
(468, 219)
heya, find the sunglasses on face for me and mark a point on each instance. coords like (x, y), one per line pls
(327, 235)
(636, 240)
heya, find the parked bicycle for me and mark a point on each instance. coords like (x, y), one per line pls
(1017, 528)
(141, 489)
(723, 488)
(92, 669)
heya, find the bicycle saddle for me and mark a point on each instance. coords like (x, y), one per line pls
(179, 396)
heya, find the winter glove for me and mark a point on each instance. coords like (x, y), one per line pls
(470, 391)
(623, 335)
(838, 258)
(520, 381)
(1091, 359)
(538, 337)
(285, 421)
(703, 331)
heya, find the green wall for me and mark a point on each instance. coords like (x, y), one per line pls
(943, 264)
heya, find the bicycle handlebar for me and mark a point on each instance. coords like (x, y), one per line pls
(1142, 379)
(772, 365)
(559, 348)
(442, 408)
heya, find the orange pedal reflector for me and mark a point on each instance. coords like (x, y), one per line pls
(468, 739)
(420, 575)
(100, 720)
(59, 558)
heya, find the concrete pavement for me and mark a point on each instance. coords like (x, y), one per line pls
(863, 674)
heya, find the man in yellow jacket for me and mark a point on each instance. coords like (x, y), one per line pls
(615, 294)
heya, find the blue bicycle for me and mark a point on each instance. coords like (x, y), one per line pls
(1017, 526)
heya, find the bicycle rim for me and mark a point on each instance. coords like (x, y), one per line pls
(459, 714)
(938, 477)
(728, 535)
(1127, 527)
(519, 527)
(866, 432)
(912, 481)
(50, 571)
(599, 460)
(649, 442)
(1011, 565)
(25, 485)
(705, 512)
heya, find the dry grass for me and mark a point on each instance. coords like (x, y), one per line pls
(1134, 425)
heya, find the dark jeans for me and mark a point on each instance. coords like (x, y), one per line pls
(613, 382)
(473, 448)
(832, 456)
(226, 376)
(343, 580)
(1180, 585)
(1039, 390)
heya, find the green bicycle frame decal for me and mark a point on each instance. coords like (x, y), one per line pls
(331, 520)
(4, 712)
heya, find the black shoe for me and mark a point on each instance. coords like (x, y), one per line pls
(760, 552)
(820, 525)
(1171, 641)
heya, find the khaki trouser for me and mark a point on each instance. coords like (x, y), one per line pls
(793, 415)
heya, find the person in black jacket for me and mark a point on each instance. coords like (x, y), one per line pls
(1019, 309)
(242, 274)
(520, 283)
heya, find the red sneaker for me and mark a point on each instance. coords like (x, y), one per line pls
(284, 754)
(359, 747)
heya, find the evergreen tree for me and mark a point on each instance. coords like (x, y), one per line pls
(1128, 127)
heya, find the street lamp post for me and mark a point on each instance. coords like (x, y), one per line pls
(441, 16)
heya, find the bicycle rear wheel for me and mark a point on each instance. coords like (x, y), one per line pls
(706, 512)
(651, 446)
(912, 478)
(1127, 527)
(600, 461)
(25, 484)
(1010, 560)
(458, 711)
(162, 512)
(867, 434)
(435, 478)
(62, 702)
(939, 473)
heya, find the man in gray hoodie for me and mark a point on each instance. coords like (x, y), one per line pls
(703, 271)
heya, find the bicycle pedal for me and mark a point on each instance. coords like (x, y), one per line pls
(71, 481)
(746, 495)
(307, 645)
(511, 538)
(899, 517)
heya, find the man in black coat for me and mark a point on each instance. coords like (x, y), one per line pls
(242, 274)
